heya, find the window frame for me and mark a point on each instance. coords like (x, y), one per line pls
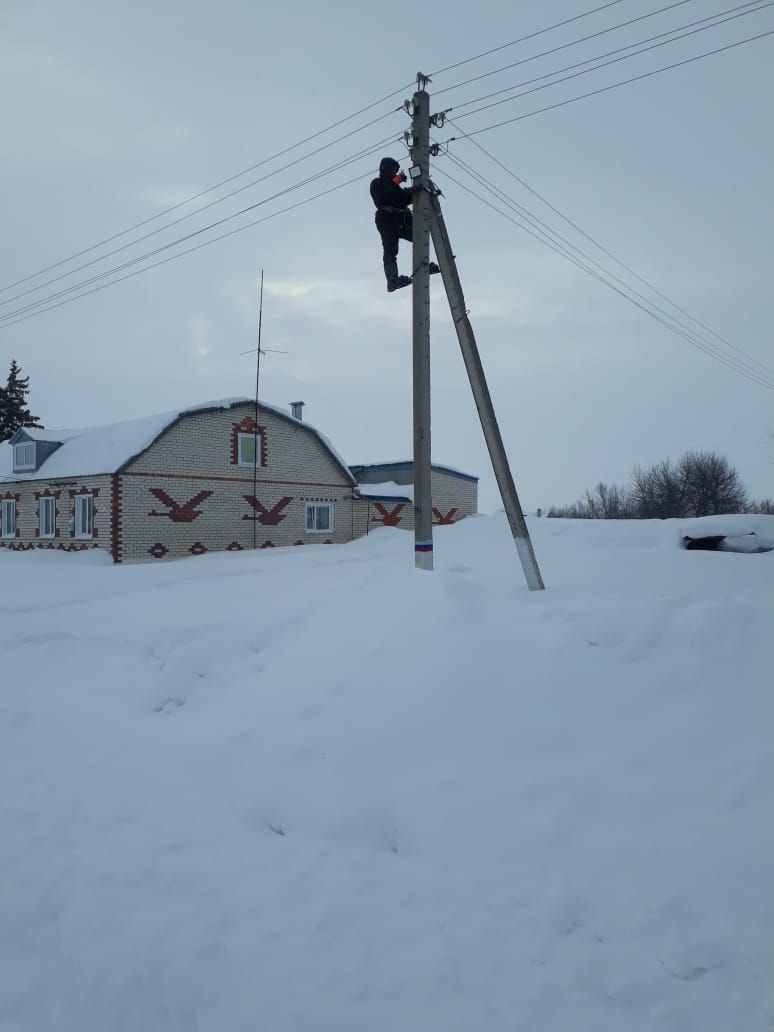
(314, 506)
(44, 501)
(88, 501)
(258, 439)
(3, 510)
(24, 467)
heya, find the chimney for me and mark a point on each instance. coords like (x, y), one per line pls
(295, 410)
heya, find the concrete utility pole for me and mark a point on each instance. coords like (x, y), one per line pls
(486, 413)
(420, 174)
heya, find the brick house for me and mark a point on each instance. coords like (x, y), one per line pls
(207, 478)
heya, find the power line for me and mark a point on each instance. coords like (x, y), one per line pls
(523, 39)
(615, 85)
(204, 229)
(714, 19)
(745, 360)
(197, 211)
(765, 368)
(190, 250)
(710, 350)
(562, 46)
(209, 189)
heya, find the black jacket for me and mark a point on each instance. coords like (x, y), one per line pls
(386, 194)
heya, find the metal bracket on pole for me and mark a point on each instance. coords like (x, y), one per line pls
(472, 359)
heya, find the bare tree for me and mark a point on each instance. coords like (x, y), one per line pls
(762, 505)
(712, 484)
(608, 502)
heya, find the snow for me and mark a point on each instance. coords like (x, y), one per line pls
(105, 449)
(315, 789)
(407, 463)
(387, 490)
(742, 533)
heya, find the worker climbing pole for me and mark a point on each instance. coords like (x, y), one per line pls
(394, 222)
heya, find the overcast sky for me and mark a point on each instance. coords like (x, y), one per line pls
(111, 112)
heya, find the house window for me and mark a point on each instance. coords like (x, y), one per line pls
(47, 517)
(9, 518)
(319, 517)
(23, 456)
(84, 516)
(249, 446)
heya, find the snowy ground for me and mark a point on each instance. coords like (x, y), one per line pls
(312, 789)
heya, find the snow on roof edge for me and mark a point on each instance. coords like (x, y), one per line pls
(96, 451)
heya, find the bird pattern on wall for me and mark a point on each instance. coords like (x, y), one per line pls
(179, 512)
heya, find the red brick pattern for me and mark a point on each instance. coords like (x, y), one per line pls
(441, 520)
(197, 548)
(48, 493)
(248, 426)
(158, 551)
(389, 517)
(94, 491)
(267, 517)
(116, 529)
(179, 512)
(234, 547)
(9, 497)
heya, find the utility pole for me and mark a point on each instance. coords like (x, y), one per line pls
(478, 384)
(420, 175)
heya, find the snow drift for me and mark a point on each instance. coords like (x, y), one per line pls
(312, 789)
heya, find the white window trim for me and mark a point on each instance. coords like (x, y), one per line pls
(9, 503)
(79, 536)
(44, 501)
(318, 505)
(27, 466)
(258, 438)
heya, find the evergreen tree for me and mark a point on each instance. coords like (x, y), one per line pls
(14, 412)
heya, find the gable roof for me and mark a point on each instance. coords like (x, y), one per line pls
(109, 449)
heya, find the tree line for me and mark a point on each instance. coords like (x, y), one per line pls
(701, 483)
(14, 409)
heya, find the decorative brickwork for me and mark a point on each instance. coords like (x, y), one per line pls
(179, 512)
(391, 517)
(158, 551)
(267, 544)
(115, 518)
(234, 547)
(298, 542)
(47, 494)
(197, 548)
(74, 493)
(267, 517)
(248, 426)
(15, 498)
(441, 520)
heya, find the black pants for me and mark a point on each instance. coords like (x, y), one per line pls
(393, 227)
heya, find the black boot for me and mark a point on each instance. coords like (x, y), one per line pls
(391, 273)
(433, 268)
(401, 281)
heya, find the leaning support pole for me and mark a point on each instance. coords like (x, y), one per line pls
(472, 359)
(423, 504)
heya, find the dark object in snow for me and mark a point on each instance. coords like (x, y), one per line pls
(746, 543)
(707, 544)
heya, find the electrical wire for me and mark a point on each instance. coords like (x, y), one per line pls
(745, 359)
(523, 39)
(604, 64)
(196, 247)
(765, 368)
(562, 46)
(615, 85)
(726, 360)
(204, 229)
(209, 189)
(191, 214)
(713, 19)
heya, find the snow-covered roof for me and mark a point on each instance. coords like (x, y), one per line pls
(370, 467)
(388, 490)
(107, 449)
